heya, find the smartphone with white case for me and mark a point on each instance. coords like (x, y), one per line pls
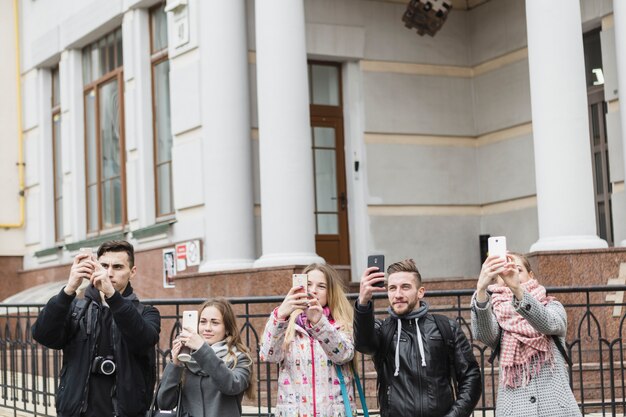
(496, 245)
(300, 280)
(190, 321)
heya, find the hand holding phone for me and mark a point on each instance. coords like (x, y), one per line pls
(377, 261)
(190, 322)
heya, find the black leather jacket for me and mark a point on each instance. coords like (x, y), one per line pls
(418, 391)
(73, 325)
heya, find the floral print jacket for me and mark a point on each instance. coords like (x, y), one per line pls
(308, 385)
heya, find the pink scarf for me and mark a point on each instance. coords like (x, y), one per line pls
(523, 350)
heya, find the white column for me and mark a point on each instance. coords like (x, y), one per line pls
(138, 134)
(73, 145)
(619, 16)
(227, 155)
(564, 177)
(286, 161)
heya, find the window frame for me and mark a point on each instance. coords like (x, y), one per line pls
(156, 58)
(95, 86)
(55, 112)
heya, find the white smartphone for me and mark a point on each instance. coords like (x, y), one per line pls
(496, 245)
(300, 280)
(190, 320)
(86, 251)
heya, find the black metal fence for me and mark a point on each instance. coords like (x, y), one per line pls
(29, 372)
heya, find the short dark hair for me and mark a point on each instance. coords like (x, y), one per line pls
(408, 265)
(118, 246)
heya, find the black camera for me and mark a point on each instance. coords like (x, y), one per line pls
(103, 365)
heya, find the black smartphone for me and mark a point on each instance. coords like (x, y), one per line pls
(377, 261)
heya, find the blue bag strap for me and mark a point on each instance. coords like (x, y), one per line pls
(359, 388)
(344, 392)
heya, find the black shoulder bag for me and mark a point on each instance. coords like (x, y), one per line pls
(154, 411)
(443, 325)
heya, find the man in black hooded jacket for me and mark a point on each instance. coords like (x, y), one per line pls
(108, 337)
(420, 358)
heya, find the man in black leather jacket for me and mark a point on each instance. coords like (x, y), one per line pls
(108, 337)
(417, 370)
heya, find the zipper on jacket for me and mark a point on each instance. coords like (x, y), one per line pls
(420, 370)
(83, 407)
(313, 375)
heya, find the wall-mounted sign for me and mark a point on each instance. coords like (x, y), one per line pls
(169, 268)
(181, 257)
(193, 253)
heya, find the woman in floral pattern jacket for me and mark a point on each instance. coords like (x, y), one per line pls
(307, 335)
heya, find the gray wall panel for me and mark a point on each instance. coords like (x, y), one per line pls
(427, 175)
(614, 139)
(619, 217)
(442, 246)
(520, 228)
(502, 98)
(496, 28)
(399, 103)
(386, 37)
(593, 10)
(609, 64)
(506, 170)
(256, 172)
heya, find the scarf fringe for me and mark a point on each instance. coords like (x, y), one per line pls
(520, 374)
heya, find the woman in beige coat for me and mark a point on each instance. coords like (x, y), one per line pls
(512, 310)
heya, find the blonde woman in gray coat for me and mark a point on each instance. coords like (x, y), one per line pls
(220, 372)
(512, 309)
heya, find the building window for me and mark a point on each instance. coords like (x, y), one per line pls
(104, 133)
(598, 135)
(56, 156)
(161, 112)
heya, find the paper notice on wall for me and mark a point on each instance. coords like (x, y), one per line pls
(169, 267)
(181, 257)
(193, 253)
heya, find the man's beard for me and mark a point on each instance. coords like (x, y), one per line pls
(410, 307)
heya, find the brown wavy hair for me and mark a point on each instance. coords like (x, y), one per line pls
(337, 302)
(233, 337)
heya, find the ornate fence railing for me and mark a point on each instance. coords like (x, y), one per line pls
(29, 372)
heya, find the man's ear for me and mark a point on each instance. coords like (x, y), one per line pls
(133, 271)
(421, 292)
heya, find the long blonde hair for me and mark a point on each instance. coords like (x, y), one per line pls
(233, 338)
(337, 302)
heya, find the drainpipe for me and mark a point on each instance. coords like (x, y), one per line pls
(20, 136)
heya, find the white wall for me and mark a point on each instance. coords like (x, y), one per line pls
(11, 240)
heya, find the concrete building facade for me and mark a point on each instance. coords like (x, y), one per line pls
(284, 132)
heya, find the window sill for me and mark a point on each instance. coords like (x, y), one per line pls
(94, 241)
(47, 252)
(156, 229)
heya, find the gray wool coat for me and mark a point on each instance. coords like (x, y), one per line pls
(547, 394)
(216, 395)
